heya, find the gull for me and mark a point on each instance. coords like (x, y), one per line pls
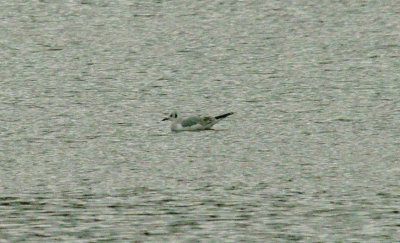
(195, 123)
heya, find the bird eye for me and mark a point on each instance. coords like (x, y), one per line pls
(176, 115)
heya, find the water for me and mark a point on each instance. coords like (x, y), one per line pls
(311, 154)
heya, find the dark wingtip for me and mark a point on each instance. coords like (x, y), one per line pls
(224, 115)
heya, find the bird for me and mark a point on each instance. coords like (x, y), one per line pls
(194, 123)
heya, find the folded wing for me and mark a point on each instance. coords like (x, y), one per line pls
(208, 121)
(191, 121)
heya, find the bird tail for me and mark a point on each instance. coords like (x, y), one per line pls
(223, 116)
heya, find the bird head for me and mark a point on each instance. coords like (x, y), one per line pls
(172, 117)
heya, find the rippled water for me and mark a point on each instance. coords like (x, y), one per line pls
(311, 154)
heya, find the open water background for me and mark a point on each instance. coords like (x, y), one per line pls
(311, 154)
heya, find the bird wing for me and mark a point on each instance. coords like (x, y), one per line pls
(191, 121)
(208, 121)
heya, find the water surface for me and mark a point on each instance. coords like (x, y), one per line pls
(311, 154)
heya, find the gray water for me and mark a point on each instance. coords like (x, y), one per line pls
(310, 155)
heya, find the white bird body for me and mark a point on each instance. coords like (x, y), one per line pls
(195, 123)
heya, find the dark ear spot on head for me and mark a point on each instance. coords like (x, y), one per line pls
(176, 115)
